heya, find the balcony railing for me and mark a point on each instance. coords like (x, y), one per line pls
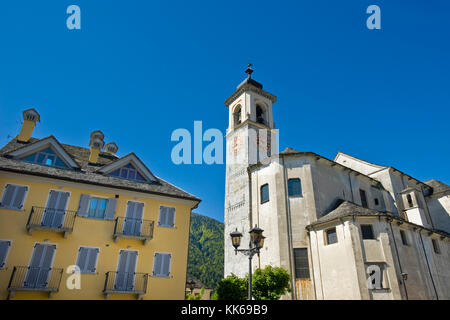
(34, 279)
(49, 219)
(125, 282)
(134, 229)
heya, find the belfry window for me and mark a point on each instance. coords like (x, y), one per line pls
(409, 199)
(259, 114)
(237, 115)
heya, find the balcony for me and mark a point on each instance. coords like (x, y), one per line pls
(125, 283)
(133, 229)
(34, 279)
(48, 219)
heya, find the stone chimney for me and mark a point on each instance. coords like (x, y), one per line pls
(30, 117)
(96, 143)
(111, 148)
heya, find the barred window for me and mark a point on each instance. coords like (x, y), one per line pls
(301, 263)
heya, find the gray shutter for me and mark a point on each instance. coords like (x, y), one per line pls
(157, 264)
(170, 217)
(162, 216)
(82, 258)
(17, 202)
(46, 266)
(8, 195)
(84, 205)
(110, 211)
(166, 265)
(4, 248)
(92, 259)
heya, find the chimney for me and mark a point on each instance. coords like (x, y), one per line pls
(111, 148)
(30, 117)
(96, 143)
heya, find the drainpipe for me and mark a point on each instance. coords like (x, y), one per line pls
(398, 259)
(428, 265)
(289, 231)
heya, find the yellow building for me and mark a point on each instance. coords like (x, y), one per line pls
(70, 213)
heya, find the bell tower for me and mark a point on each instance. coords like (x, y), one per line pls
(250, 139)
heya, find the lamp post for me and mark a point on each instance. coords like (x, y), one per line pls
(191, 285)
(256, 243)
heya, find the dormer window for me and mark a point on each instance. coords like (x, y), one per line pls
(46, 157)
(128, 172)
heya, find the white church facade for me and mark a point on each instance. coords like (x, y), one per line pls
(343, 228)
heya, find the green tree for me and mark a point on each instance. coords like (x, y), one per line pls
(231, 288)
(270, 283)
(197, 296)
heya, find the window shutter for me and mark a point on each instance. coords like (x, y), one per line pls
(4, 248)
(170, 217)
(110, 211)
(82, 258)
(92, 259)
(17, 202)
(8, 195)
(162, 218)
(165, 268)
(84, 205)
(157, 264)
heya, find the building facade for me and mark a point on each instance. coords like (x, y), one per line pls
(343, 228)
(84, 223)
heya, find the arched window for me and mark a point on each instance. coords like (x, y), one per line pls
(259, 114)
(237, 115)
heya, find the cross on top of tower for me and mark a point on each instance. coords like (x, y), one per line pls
(249, 70)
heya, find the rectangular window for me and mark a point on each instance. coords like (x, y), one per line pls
(362, 194)
(13, 197)
(367, 232)
(264, 193)
(403, 236)
(87, 259)
(161, 264)
(301, 263)
(436, 248)
(166, 217)
(376, 201)
(294, 187)
(97, 208)
(331, 236)
(4, 249)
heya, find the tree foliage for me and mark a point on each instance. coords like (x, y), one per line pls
(197, 296)
(231, 288)
(270, 283)
(206, 251)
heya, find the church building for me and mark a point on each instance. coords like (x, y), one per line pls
(343, 228)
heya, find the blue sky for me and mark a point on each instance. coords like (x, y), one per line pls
(137, 70)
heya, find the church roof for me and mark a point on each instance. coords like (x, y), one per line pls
(437, 186)
(346, 208)
(87, 173)
(291, 151)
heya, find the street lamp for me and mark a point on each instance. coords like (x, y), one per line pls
(191, 285)
(256, 243)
